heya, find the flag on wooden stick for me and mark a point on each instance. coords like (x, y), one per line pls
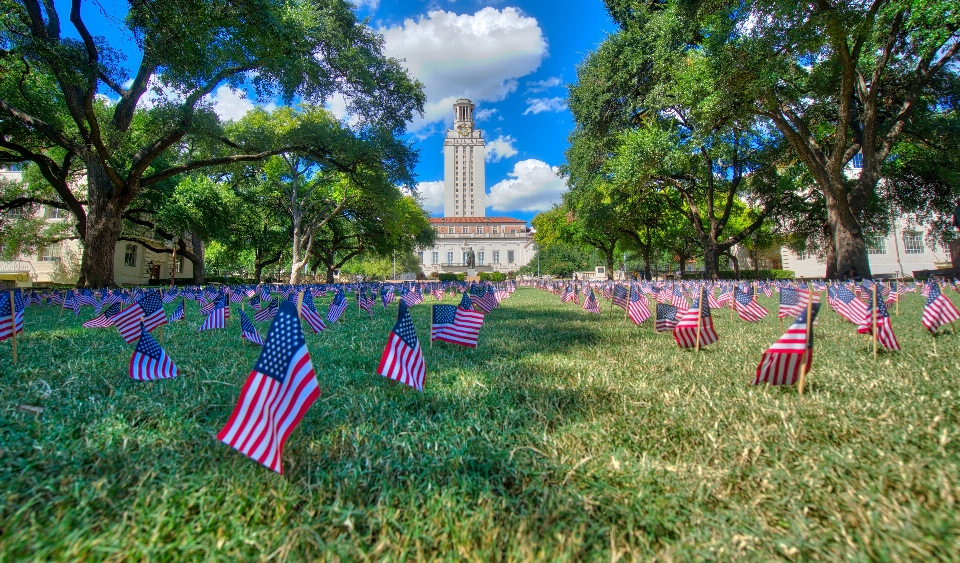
(402, 358)
(792, 353)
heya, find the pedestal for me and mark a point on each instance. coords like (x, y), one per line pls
(471, 272)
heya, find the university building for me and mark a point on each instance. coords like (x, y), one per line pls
(133, 263)
(499, 244)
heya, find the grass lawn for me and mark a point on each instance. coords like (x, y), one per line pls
(565, 436)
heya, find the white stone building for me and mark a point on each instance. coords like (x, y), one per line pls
(133, 263)
(499, 244)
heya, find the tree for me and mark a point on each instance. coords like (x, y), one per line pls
(52, 113)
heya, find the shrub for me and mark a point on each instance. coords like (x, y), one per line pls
(746, 274)
(493, 276)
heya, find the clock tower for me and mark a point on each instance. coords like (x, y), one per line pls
(464, 186)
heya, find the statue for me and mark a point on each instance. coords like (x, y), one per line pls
(471, 259)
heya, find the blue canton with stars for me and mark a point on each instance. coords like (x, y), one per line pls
(789, 297)
(151, 303)
(404, 327)
(934, 293)
(743, 298)
(667, 312)
(308, 301)
(705, 312)
(444, 314)
(283, 341)
(148, 346)
(245, 324)
(466, 303)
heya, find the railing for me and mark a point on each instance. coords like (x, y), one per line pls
(518, 234)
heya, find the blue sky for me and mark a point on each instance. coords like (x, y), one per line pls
(514, 59)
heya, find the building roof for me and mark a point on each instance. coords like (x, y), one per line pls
(476, 220)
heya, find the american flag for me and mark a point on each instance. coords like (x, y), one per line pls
(402, 358)
(782, 362)
(255, 302)
(337, 306)
(386, 295)
(308, 311)
(149, 361)
(216, 319)
(846, 304)
(685, 333)
(366, 301)
(712, 300)
(792, 302)
(466, 302)
(938, 310)
(747, 307)
(205, 307)
(885, 335)
(607, 291)
(567, 295)
(276, 395)
(178, 312)
(725, 296)
(127, 322)
(153, 312)
(105, 319)
(169, 296)
(248, 331)
(678, 300)
(666, 317)
(72, 301)
(411, 297)
(456, 324)
(266, 312)
(620, 296)
(638, 311)
(7, 315)
(483, 298)
(590, 303)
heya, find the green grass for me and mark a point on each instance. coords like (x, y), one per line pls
(565, 436)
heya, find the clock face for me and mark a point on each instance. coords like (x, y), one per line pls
(464, 129)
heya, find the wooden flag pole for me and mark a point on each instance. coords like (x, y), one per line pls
(629, 296)
(431, 324)
(874, 321)
(62, 305)
(898, 298)
(699, 319)
(13, 326)
(299, 303)
(803, 358)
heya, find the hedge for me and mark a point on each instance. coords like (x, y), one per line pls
(493, 276)
(747, 274)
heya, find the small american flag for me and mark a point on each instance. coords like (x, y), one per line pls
(178, 312)
(7, 315)
(620, 296)
(411, 297)
(216, 319)
(128, 323)
(456, 325)
(938, 309)
(248, 331)
(885, 335)
(276, 395)
(792, 302)
(366, 301)
(266, 312)
(747, 307)
(846, 304)
(337, 307)
(590, 303)
(685, 333)
(666, 317)
(308, 311)
(567, 295)
(153, 313)
(402, 358)
(638, 311)
(149, 361)
(105, 319)
(782, 362)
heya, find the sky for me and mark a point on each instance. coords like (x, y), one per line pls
(513, 58)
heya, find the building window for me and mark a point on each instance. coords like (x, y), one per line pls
(179, 264)
(496, 256)
(480, 258)
(912, 242)
(420, 254)
(130, 255)
(857, 162)
(510, 257)
(49, 253)
(436, 257)
(449, 258)
(450, 230)
(876, 245)
(54, 212)
(496, 230)
(464, 258)
(802, 255)
(479, 230)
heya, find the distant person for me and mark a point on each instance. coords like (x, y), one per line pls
(956, 216)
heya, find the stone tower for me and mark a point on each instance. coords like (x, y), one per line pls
(464, 185)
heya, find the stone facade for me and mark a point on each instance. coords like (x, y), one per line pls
(464, 183)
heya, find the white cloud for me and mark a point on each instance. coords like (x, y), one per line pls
(233, 104)
(533, 185)
(431, 196)
(478, 56)
(500, 148)
(537, 105)
(485, 114)
(535, 86)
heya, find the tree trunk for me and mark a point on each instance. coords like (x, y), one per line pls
(645, 254)
(198, 250)
(610, 263)
(711, 267)
(104, 224)
(736, 264)
(330, 274)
